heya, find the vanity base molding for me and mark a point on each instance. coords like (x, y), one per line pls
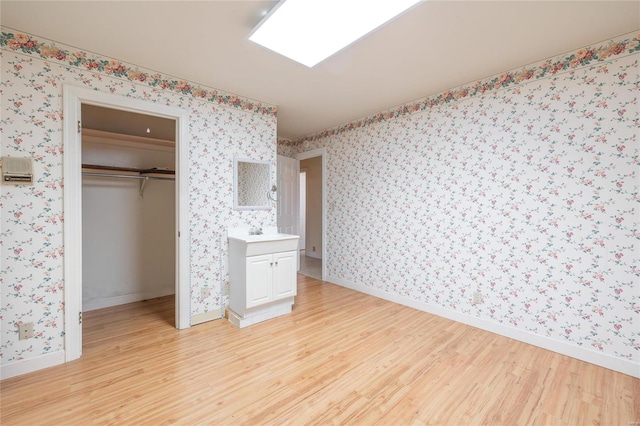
(261, 313)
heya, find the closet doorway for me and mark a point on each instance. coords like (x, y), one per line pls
(148, 182)
(128, 207)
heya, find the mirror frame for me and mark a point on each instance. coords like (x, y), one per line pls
(236, 205)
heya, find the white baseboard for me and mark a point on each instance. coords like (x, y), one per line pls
(207, 316)
(25, 366)
(584, 354)
(315, 255)
(92, 305)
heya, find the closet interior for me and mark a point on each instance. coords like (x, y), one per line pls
(128, 207)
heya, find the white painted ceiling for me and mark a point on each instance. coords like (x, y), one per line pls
(435, 46)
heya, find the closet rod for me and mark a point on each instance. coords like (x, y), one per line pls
(113, 175)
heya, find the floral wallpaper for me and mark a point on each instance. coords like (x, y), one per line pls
(287, 147)
(44, 49)
(221, 126)
(523, 187)
(550, 67)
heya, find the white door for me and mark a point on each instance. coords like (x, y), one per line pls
(288, 194)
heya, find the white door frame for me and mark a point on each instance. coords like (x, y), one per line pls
(73, 98)
(320, 152)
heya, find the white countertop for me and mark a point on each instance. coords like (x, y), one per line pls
(263, 237)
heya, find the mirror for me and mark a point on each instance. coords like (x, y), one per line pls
(251, 184)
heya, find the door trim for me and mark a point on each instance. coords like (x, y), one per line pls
(320, 152)
(73, 98)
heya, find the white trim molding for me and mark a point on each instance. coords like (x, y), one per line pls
(25, 366)
(92, 305)
(207, 316)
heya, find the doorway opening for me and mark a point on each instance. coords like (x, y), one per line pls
(128, 207)
(302, 214)
(313, 213)
(74, 99)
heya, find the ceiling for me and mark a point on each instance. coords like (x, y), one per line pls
(435, 46)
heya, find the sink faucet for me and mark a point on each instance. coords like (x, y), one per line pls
(255, 231)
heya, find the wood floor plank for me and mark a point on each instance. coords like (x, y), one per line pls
(340, 357)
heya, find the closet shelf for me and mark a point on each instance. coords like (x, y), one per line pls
(129, 169)
(142, 174)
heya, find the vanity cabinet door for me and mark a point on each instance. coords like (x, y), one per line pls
(284, 278)
(259, 279)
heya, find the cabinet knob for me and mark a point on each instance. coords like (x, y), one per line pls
(271, 264)
(276, 263)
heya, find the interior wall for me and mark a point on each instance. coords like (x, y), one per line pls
(128, 242)
(221, 126)
(522, 187)
(313, 228)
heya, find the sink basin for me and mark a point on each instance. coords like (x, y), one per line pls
(254, 245)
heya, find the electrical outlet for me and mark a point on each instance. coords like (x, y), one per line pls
(477, 298)
(205, 292)
(25, 330)
(225, 290)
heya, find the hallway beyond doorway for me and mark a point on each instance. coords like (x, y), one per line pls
(310, 267)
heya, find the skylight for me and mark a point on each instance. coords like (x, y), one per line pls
(309, 31)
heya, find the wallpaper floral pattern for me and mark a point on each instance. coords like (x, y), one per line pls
(523, 187)
(551, 67)
(221, 126)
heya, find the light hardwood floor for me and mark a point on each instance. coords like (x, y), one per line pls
(340, 357)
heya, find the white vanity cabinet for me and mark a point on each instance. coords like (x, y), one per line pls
(270, 277)
(262, 277)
